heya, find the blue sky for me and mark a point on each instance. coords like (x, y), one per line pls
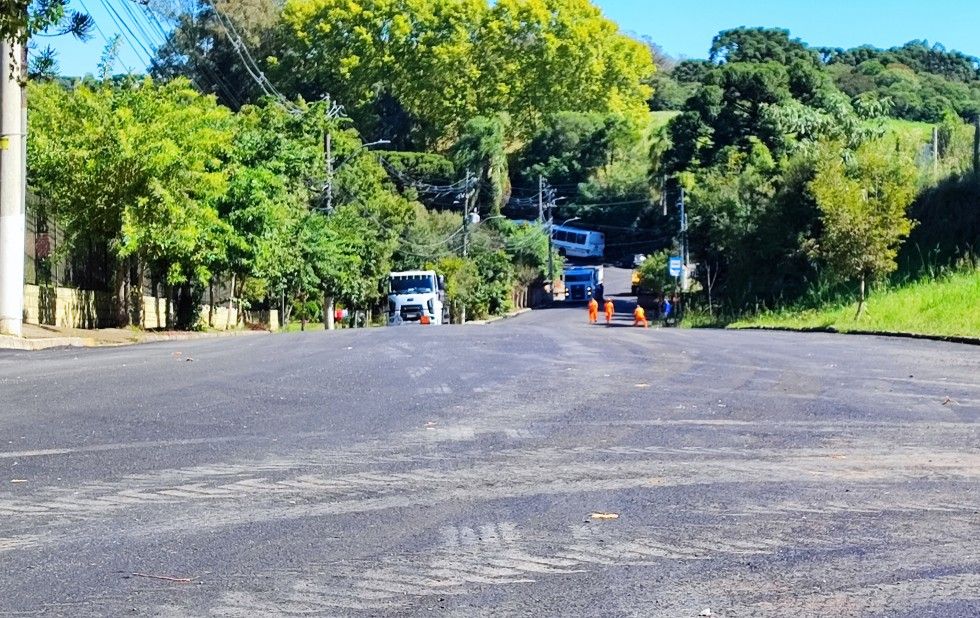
(686, 27)
(681, 28)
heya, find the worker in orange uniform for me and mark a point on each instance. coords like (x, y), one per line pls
(610, 309)
(593, 311)
(640, 317)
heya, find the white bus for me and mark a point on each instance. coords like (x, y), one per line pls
(574, 242)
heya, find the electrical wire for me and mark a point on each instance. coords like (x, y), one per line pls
(126, 31)
(201, 64)
(98, 28)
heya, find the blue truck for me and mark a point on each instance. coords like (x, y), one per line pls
(582, 282)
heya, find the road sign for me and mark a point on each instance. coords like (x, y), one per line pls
(674, 267)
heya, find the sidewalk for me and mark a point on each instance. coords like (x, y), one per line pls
(512, 314)
(43, 337)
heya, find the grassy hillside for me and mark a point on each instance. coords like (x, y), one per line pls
(949, 306)
(660, 119)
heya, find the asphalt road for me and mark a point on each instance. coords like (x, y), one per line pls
(456, 471)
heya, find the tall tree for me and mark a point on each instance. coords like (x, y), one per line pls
(863, 207)
(137, 166)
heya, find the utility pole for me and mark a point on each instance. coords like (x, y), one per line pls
(466, 216)
(328, 299)
(328, 153)
(551, 250)
(466, 230)
(683, 242)
(540, 199)
(12, 188)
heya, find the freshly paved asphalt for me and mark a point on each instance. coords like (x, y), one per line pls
(455, 471)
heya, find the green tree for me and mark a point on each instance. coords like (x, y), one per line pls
(403, 68)
(759, 45)
(482, 149)
(540, 57)
(462, 283)
(139, 167)
(415, 71)
(863, 207)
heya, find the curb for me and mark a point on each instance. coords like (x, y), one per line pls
(872, 333)
(498, 318)
(33, 345)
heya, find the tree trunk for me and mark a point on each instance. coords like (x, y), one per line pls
(211, 303)
(328, 312)
(860, 308)
(121, 304)
(168, 306)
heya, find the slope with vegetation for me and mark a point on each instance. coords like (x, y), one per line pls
(799, 186)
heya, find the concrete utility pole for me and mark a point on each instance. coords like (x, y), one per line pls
(12, 188)
(680, 203)
(551, 249)
(540, 199)
(328, 299)
(328, 154)
(466, 230)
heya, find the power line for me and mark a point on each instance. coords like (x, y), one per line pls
(201, 62)
(126, 31)
(624, 203)
(140, 26)
(115, 52)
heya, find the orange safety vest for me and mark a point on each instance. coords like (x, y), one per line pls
(610, 308)
(639, 314)
(594, 306)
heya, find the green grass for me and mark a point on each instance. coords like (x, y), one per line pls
(660, 119)
(948, 306)
(295, 327)
(910, 131)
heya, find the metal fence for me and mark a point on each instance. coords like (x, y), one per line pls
(50, 260)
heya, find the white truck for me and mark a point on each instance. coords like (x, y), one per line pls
(417, 297)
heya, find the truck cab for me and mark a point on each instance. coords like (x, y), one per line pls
(417, 297)
(582, 282)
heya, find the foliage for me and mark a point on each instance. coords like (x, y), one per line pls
(414, 71)
(137, 166)
(759, 45)
(527, 246)
(481, 149)
(654, 276)
(922, 81)
(863, 208)
(429, 237)
(462, 283)
(947, 226)
(421, 166)
(943, 306)
(572, 146)
(200, 48)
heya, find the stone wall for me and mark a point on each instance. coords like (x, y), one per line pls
(71, 308)
(67, 307)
